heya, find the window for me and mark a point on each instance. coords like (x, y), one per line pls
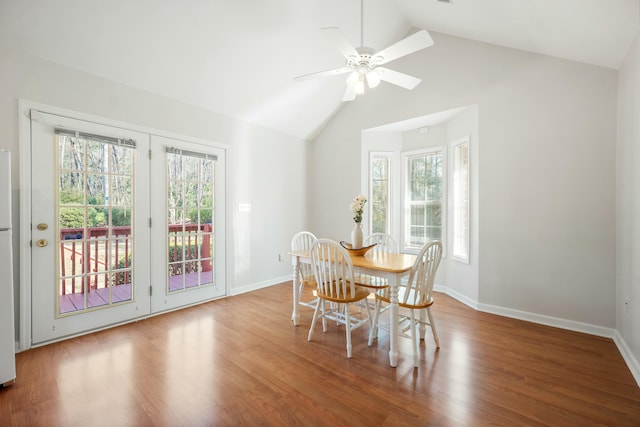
(460, 201)
(424, 216)
(421, 195)
(379, 181)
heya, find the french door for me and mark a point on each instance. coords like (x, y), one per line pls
(124, 225)
(90, 233)
(188, 205)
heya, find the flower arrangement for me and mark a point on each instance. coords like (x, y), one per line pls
(357, 206)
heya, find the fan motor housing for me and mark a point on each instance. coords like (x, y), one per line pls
(363, 63)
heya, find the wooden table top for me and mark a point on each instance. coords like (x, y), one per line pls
(391, 263)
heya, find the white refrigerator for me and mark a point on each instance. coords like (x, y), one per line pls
(7, 333)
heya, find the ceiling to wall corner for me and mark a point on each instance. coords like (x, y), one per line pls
(239, 58)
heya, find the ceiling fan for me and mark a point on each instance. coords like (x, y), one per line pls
(364, 64)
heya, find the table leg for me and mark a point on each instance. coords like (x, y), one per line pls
(295, 316)
(393, 323)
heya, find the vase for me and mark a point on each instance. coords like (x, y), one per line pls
(356, 236)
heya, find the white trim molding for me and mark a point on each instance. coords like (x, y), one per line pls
(542, 319)
(457, 295)
(632, 363)
(237, 290)
(627, 355)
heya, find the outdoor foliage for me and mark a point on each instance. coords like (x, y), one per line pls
(380, 194)
(425, 174)
(176, 255)
(190, 189)
(95, 181)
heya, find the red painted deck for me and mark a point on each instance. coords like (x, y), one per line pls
(121, 293)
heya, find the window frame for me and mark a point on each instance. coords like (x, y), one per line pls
(467, 208)
(404, 205)
(389, 155)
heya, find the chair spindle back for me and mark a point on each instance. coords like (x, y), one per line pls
(332, 269)
(423, 273)
(384, 243)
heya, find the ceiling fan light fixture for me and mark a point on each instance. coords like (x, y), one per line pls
(373, 79)
(360, 85)
(353, 78)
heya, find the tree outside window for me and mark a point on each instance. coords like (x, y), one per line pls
(380, 164)
(424, 197)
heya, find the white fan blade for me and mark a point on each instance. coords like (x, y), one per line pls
(400, 79)
(341, 42)
(411, 44)
(326, 73)
(350, 93)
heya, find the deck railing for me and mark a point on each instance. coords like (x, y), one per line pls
(79, 261)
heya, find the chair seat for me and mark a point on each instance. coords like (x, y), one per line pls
(361, 293)
(308, 281)
(371, 282)
(404, 294)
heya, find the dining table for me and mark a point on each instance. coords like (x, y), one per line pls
(389, 266)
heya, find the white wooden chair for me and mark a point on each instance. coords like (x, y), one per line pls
(305, 240)
(333, 273)
(415, 295)
(384, 243)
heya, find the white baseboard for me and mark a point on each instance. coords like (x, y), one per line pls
(549, 320)
(456, 295)
(264, 284)
(627, 355)
(528, 316)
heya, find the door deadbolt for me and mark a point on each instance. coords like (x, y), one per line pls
(42, 226)
(42, 243)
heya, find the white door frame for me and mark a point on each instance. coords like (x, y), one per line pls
(25, 152)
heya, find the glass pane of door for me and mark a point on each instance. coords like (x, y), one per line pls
(190, 253)
(94, 212)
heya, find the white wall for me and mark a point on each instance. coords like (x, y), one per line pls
(265, 169)
(546, 170)
(628, 207)
(415, 140)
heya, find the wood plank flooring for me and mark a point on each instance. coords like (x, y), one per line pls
(239, 361)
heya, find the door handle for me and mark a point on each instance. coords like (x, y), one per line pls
(42, 226)
(42, 243)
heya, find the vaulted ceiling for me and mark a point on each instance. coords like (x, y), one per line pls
(239, 57)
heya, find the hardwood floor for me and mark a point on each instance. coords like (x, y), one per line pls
(239, 361)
